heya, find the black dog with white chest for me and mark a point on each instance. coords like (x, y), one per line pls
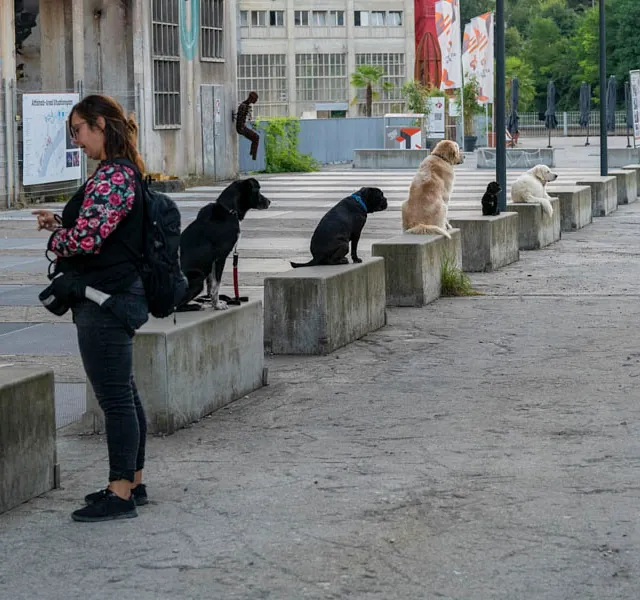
(342, 225)
(490, 200)
(207, 242)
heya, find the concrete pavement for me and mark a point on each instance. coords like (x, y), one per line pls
(478, 448)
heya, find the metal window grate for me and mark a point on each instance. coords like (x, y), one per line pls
(166, 64)
(211, 34)
(394, 72)
(321, 77)
(265, 74)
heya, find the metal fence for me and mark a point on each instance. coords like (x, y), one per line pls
(532, 124)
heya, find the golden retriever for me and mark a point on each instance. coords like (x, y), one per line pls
(530, 187)
(426, 209)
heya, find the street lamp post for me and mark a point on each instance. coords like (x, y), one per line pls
(500, 120)
(604, 167)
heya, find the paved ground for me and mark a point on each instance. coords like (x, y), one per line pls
(479, 448)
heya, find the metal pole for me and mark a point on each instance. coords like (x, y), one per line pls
(604, 167)
(500, 127)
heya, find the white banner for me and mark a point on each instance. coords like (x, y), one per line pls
(634, 78)
(448, 29)
(48, 154)
(477, 55)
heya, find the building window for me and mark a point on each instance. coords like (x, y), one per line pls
(377, 18)
(166, 64)
(301, 17)
(319, 18)
(361, 18)
(244, 18)
(265, 74)
(258, 18)
(394, 72)
(276, 18)
(321, 77)
(336, 18)
(394, 18)
(212, 18)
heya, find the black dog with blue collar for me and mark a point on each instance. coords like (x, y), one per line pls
(342, 226)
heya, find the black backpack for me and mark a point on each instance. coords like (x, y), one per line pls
(164, 283)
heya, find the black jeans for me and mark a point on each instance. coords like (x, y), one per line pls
(106, 348)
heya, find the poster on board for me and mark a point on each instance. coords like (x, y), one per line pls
(435, 121)
(48, 154)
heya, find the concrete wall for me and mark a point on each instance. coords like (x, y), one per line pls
(27, 434)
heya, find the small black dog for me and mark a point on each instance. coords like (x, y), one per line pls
(341, 225)
(490, 200)
(206, 243)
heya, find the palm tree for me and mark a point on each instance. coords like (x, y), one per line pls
(367, 76)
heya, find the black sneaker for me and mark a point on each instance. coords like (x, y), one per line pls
(138, 493)
(108, 508)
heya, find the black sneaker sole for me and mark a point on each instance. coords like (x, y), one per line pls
(128, 515)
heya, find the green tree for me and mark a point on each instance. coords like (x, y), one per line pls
(368, 76)
(516, 67)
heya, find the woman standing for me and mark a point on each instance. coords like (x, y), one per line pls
(96, 242)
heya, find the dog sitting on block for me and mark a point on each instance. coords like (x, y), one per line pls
(342, 225)
(490, 200)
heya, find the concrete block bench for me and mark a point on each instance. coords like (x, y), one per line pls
(413, 264)
(187, 370)
(535, 229)
(627, 185)
(27, 434)
(618, 157)
(636, 170)
(315, 310)
(488, 243)
(388, 158)
(604, 193)
(575, 205)
(517, 158)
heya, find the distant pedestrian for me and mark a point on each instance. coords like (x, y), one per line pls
(242, 116)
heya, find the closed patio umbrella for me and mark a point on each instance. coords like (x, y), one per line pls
(585, 107)
(513, 124)
(612, 90)
(550, 121)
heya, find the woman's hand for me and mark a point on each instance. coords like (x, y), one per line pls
(47, 220)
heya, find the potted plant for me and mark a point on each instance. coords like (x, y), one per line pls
(471, 109)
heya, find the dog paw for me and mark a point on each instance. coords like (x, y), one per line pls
(220, 305)
(355, 259)
(448, 226)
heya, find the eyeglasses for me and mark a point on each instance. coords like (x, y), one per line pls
(74, 129)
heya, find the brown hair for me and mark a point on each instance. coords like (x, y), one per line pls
(120, 132)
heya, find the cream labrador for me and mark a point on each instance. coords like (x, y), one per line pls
(426, 209)
(530, 187)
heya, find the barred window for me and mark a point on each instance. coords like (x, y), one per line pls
(166, 64)
(265, 74)
(321, 77)
(394, 72)
(211, 36)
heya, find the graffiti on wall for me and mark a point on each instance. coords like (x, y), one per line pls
(189, 30)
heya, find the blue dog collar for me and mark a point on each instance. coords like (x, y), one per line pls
(358, 199)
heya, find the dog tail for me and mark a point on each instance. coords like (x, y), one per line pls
(311, 263)
(426, 229)
(544, 203)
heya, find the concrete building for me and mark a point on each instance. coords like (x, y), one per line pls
(299, 56)
(172, 62)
